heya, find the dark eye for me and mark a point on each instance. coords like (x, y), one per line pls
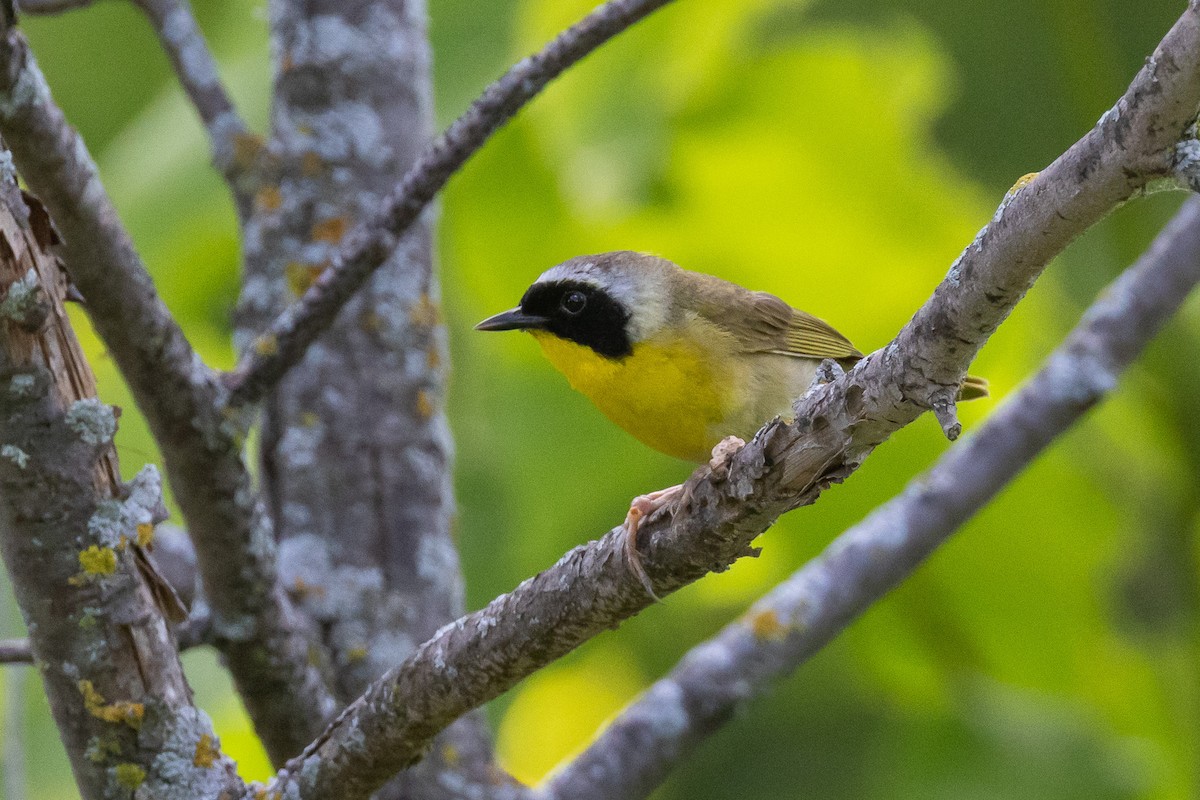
(573, 302)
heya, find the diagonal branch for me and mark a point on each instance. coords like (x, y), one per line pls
(264, 641)
(785, 466)
(184, 44)
(804, 613)
(284, 343)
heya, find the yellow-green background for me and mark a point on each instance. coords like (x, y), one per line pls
(838, 153)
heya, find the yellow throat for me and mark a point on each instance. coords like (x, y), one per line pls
(664, 393)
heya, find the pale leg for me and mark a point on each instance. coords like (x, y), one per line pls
(641, 507)
(646, 504)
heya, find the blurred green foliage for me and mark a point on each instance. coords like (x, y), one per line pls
(838, 153)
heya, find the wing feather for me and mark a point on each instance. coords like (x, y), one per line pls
(811, 337)
(762, 323)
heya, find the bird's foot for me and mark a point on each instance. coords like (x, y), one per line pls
(641, 507)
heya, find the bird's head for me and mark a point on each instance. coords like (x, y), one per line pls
(608, 302)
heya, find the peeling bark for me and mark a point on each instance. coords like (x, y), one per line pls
(266, 644)
(70, 532)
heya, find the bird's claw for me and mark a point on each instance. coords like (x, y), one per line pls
(641, 507)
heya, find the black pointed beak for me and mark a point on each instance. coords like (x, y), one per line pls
(512, 320)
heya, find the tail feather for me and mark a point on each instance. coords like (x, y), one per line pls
(973, 388)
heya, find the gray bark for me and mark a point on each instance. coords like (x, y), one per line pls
(69, 531)
(266, 644)
(356, 448)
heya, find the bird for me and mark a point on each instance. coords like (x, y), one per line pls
(690, 364)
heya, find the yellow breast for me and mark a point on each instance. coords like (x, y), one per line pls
(665, 393)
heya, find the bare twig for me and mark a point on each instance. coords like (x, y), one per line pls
(15, 651)
(802, 614)
(368, 246)
(786, 465)
(13, 749)
(50, 6)
(175, 561)
(265, 644)
(194, 632)
(184, 44)
(14, 734)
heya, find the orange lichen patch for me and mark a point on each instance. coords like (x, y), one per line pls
(122, 542)
(425, 312)
(356, 654)
(316, 655)
(1021, 183)
(302, 588)
(450, 755)
(266, 345)
(311, 164)
(767, 626)
(145, 534)
(131, 776)
(425, 405)
(207, 752)
(330, 230)
(246, 147)
(268, 198)
(97, 560)
(300, 276)
(370, 322)
(122, 711)
(433, 357)
(261, 793)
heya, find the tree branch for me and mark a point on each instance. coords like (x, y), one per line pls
(785, 466)
(174, 559)
(70, 534)
(355, 446)
(15, 651)
(265, 643)
(804, 613)
(284, 343)
(196, 631)
(50, 6)
(12, 750)
(184, 44)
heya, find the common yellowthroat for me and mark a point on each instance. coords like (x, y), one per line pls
(679, 359)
